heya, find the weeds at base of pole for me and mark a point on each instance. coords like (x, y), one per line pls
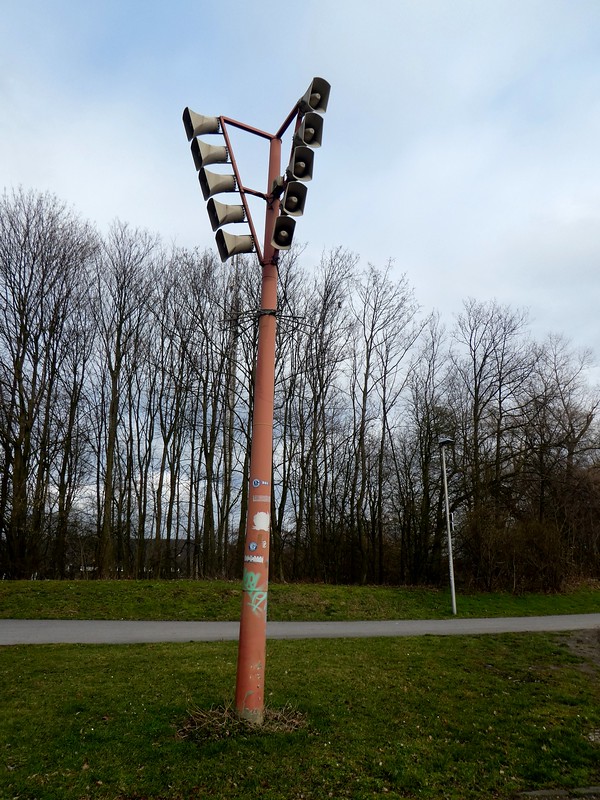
(222, 722)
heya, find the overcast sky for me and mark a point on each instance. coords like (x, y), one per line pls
(462, 138)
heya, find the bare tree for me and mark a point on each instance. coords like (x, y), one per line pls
(415, 500)
(489, 371)
(123, 288)
(386, 329)
(43, 249)
(312, 355)
(72, 431)
(558, 456)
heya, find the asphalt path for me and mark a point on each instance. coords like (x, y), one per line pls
(31, 631)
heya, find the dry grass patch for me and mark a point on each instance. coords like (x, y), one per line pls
(222, 722)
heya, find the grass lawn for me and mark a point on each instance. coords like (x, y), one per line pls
(220, 600)
(428, 717)
(433, 717)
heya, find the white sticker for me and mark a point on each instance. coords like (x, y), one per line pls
(261, 521)
(254, 559)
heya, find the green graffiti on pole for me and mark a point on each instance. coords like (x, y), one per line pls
(257, 594)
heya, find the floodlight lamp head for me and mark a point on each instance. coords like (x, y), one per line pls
(444, 441)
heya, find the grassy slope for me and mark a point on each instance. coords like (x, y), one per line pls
(220, 600)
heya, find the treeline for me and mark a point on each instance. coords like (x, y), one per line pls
(125, 419)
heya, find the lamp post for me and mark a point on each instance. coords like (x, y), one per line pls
(285, 197)
(447, 441)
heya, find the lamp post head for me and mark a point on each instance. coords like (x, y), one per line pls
(445, 440)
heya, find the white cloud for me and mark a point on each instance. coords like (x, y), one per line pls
(461, 137)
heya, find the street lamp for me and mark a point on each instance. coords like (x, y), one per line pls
(447, 441)
(280, 221)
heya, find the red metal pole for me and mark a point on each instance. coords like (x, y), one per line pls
(249, 695)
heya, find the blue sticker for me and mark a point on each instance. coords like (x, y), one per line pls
(252, 546)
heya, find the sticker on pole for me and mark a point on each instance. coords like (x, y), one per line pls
(260, 521)
(261, 498)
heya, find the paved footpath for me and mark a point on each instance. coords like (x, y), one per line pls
(31, 631)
